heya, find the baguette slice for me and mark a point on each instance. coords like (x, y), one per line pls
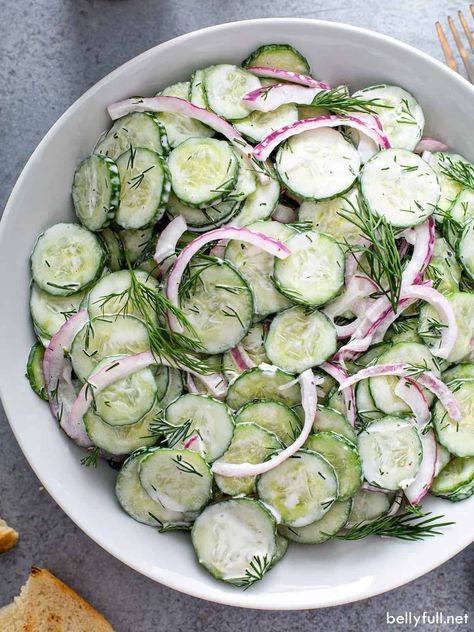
(8, 537)
(45, 604)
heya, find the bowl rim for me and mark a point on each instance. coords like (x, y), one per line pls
(197, 589)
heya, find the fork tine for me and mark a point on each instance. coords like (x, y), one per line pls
(472, 10)
(461, 49)
(466, 28)
(451, 62)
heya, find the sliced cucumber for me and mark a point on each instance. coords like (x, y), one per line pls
(457, 436)
(458, 215)
(326, 216)
(224, 86)
(66, 259)
(197, 94)
(135, 242)
(250, 444)
(450, 189)
(343, 456)
(271, 415)
(139, 129)
(96, 192)
(161, 375)
(400, 187)
(203, 219)
(456, 481)
(300, 338)
(257, 125)
(430, 326)
(179, 127)
(114, 247)
(314, 272)
(203, 171)
(34, 371)
(281, 56)
(246, 180)
(301, 489)
(444, 269)
(302, 164)
(367, 507)
(231, 535)
(259, 205)
(138, 504)
(400, 114)
(105, 336)
(366, 408)
(49, 312)
(144, 188)
(257, 383)
(178, 479)
(443, 457)
(391, 452)
(256, 266)
(218, 304)
(321, 530)
(403, 330)
(328, 419)
(466, 249)
(174, 388)
(253, 346)
(209, 418)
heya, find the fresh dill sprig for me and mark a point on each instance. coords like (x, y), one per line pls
(337, 100)
(171, 434)
(256, 571)
(382, 258)
(411, 526)
(458, 170)
(185, 466)
(92, 458)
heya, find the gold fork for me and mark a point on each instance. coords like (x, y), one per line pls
(462, 51)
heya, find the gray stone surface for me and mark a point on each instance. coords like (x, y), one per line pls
(51, 51)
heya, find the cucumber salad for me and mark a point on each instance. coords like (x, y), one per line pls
(264, 315)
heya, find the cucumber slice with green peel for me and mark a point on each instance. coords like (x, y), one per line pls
(246, 183)
(139, 129)
(343, 456)
(197, 94)
(403, 330)
(121, 440)
(430, 326)
(180, 480)
(268, 383)
(138, 504)
(382, 388)
(179, 127)
(281, 548)
(466, 250)
(314, 272)
(203, 171)
(336, 400)
(300, 338)
(113, 296)
(49, 312)
(229, 536)
(174, 388)
(217, 303)
(114, 248)
(458, 215)
(135, 242)
(302, 164)
(144, 188)
(450, 189)
(34, 371)
(96, 192)
(457, 436)
(444, 269)
(456, 481)
(203, 219)
(321, 530)
(326, 217)
(225, 85)
(367, 507)
(329, 419)
(205, 417)
(105, 336)
(66, 259)
(126, 401)
(366, 408)
(161, 375)
(253, 346)
(400, 187)
(301, 489)
(281, 56)
(390, 450)
(259, 205)
(443, 457)
(256, 266)
(271, 415)
(258, 125)
(250, 444)
(399, 112)
(458, 372)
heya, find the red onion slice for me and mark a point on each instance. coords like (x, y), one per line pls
(309, 402)
(165, 253)
(286, 75)
(431, 145)
(263, 150)
(409, 391)
(241, 358)
(426, 379)
(57, 373)
(416, 491)
(423, 237)
(269, 98)
(340, 375)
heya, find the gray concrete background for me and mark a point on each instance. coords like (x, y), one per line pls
(51, 51)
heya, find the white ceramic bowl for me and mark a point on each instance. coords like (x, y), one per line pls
(308, 577)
